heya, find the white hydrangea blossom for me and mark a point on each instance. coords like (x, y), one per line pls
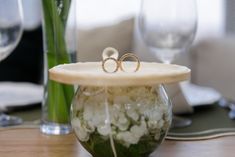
(80, 131)
(104, 129)
(127, 137)
(134, 112)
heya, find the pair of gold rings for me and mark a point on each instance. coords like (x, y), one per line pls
(119, 63)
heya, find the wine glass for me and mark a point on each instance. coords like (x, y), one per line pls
(11, 21)
(11, 28)
(168, 27)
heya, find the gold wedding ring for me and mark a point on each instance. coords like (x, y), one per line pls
(129, 55)
(110, 58)
(112, 54)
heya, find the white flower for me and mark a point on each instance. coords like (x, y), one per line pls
(127, 137)
(139, 131)
(152, 124)
(114, 113)
(134, 112)
(155, 126)
(122, 123)
(104, 129)
(153, 113)
(80, 131)
(82, 134)
(76, 122)
(141, 108)
(89, 127)
(133, 136)
(131, 111)
(99, 115)
(88, 112)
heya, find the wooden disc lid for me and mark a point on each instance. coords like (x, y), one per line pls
(99, 74)
(92, 74)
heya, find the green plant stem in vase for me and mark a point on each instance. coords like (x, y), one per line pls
(57, 99)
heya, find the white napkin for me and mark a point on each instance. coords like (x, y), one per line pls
(185, 96)
(15, 94)
(198, 95)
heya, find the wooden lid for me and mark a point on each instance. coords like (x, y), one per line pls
(92, 74)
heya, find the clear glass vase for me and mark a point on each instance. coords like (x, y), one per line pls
(123, 121)
(59, 34)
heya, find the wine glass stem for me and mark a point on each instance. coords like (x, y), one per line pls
(178, 121)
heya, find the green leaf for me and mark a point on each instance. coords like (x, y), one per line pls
(55, 13)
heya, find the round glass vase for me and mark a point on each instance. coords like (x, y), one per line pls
(127, 121)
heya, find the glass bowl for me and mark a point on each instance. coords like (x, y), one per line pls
(129, 121)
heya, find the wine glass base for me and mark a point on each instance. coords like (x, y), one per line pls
(179, 122)
(6, 120)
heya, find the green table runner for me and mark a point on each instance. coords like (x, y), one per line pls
(207, 122)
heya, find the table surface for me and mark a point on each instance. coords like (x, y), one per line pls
(30, 142)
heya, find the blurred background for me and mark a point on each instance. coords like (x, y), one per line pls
(25, 63)
(113, 23)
